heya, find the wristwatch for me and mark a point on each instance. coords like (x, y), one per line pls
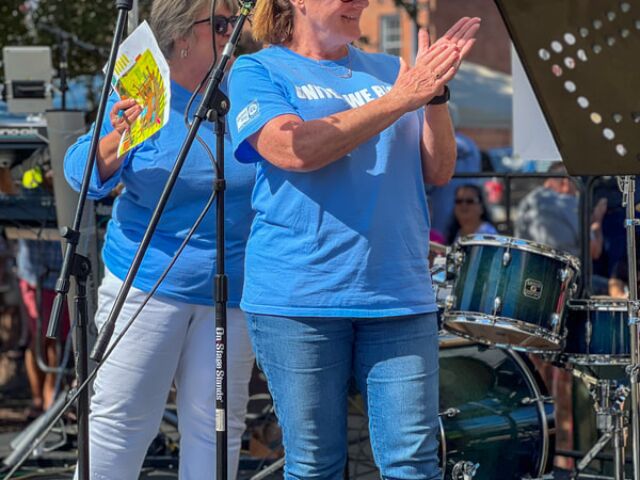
(440, 99)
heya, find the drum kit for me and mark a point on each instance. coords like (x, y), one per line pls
(507, 297)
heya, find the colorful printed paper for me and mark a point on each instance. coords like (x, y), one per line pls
(142, 73)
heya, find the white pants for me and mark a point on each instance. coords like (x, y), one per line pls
(170, 341)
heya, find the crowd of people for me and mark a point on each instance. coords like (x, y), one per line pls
(327, 228)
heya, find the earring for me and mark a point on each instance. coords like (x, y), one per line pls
(184, 53)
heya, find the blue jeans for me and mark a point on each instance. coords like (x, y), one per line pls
(309, 363)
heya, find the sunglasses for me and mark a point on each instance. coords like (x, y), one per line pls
(220, 23)
(466, 201)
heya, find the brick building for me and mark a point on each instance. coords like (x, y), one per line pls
(389, 28)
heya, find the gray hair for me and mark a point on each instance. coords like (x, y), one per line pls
(173, 19)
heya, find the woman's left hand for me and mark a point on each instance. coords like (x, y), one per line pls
(461, 35)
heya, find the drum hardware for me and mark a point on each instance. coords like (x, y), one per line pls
(627, 185)
(506, 258)
(598, 332)
(450, 412)
(564, 275)
(541, 399)
(449, 302)
(455, 259)
(611, 420)
(493, 414)
(497, 306)
(464, 470)
(509, 292)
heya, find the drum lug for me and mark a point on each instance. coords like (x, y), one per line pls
(464, 470)
(455, 259)
(450, 412)
(497, 306)
(449, 302)
(555, 319)
(506, 258)
(564, 274)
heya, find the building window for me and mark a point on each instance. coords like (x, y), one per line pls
(390, 41)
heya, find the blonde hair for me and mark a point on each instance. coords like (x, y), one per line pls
(173, 19)
(273, 21)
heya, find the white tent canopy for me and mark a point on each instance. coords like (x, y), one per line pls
(482, 97)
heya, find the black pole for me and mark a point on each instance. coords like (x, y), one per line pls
(62, 70)
(72, 234)
(221, 295)
(214, 106)
(77, 265)
(81, 271)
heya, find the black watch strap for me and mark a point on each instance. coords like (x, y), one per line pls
(440, 99)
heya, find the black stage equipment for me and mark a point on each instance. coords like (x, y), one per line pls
(581, 59)
(213, 107)
(80, 267)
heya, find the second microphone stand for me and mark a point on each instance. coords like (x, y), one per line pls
(213, 107)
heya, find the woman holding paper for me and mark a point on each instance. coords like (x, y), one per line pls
(172, 340)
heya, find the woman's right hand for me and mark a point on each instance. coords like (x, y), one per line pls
(123, 114)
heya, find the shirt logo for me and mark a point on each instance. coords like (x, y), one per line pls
(247, 114)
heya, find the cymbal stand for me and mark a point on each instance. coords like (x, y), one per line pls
(609, 399)
(627, 185)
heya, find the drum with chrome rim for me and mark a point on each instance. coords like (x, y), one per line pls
(510, 292)
(597, 332)
(493, 413)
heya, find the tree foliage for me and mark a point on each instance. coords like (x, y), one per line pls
(88, 21)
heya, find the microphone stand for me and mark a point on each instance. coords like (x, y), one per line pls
(78, 265)
(213, 107)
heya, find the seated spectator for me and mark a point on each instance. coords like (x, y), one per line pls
(550, 215)
(470, 214)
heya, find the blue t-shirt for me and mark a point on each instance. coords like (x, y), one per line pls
(144, 173)
(349, 239)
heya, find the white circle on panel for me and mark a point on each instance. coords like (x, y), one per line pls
(624, 33)
(617, 118)
(597, 48)
(608, 134)
(625, 7)
(569, 39)
(597, 24)
(544, 54)
(556, 70)
(621, 150)
(570, 62)
(596, 118)
(584, 32)
(611, 16)
(611, 41)
(556, 46)
(583, 102)
(569, 86)
(582, 55)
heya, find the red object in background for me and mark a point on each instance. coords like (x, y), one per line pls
(494, 190)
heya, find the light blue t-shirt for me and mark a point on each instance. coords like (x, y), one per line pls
(347, 240)
(144, 173)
